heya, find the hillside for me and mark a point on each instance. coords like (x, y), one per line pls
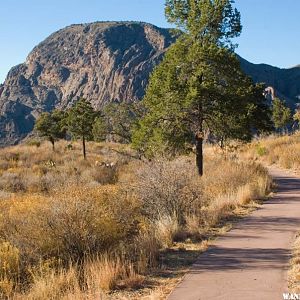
(111, 226)
(103, 62)
(286, 82)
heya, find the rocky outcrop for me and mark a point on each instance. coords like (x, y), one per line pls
(102, 62)
(284, 82)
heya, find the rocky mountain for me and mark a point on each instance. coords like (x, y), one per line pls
(285, 82)
(103, 62)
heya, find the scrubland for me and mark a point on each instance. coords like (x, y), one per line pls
(112, 226)
(281, 150)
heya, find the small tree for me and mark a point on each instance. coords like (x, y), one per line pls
(281, 114)
(81, 118)
(51, 126)
(117, 121)
(296, 117)
(100, 129)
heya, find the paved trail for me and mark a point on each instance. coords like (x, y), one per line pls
(250, 262)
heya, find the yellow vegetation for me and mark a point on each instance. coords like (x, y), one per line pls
(75, 229)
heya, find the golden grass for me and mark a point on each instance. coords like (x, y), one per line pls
(281, 150)
(111, 227)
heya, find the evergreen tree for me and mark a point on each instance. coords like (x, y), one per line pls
(281, 114)
(51, 126)
(80, 122)
(296, 117)
(199, 87)
(117, 121)
(100, 129)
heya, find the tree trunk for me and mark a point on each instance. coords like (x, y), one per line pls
(83, 147)
(52, 143)
(199, 153)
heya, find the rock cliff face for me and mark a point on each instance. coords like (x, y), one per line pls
(102, 62)
(284, 82)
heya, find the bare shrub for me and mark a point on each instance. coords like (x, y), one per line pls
(101, 174)
(12, 182)
(169, 188)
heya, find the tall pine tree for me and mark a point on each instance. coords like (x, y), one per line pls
(199, 87)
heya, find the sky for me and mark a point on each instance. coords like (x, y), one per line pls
(270, 27)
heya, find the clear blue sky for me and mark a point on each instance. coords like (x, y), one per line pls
(270, 34)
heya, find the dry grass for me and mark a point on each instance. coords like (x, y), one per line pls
(111, 227)
(281, 150)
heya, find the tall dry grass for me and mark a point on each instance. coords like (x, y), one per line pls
(281, 150)
(75, 229)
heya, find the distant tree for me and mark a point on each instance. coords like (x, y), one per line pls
(117, 121)
(281, 114)
(199, 86)
(51, 126)
(80, 120)
(296, 117)
(100, 129)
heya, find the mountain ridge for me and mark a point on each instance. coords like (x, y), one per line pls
(103, 62)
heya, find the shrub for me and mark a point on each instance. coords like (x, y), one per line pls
(12, 182)
(169, 188)
(35, 143)
(71, 224)
(261, 151)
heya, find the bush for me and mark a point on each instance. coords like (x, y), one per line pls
(12, 182)
(168, 189)
(71, 224)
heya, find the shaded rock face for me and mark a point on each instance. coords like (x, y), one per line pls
(284, 82)
(102, 62)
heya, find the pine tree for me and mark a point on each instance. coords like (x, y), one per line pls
(199, 87)
(80, 122)
(117, 122)
(51, 126)
(281, 114)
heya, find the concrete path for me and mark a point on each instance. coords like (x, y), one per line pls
(250, 262)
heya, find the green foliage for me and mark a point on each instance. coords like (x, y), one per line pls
(80, 121)
(261, 150)
(117, 122)
(193, 92)
(51, 125)
(100, 129)
(281, 114)
(199, 87)
(81, 118)
(296, 117)
(214, 22)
